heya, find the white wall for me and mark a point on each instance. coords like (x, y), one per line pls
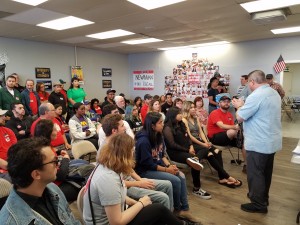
(291, 80)
(235, 59)
(24, 56)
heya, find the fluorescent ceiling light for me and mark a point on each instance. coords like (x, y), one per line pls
(110, 34)
(153, 4)
(263, 5)
(286, 30)
(31, 2)
(197, 45)
(141, 41)
(65, 23)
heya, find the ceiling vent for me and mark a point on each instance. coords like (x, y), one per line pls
(261, 18)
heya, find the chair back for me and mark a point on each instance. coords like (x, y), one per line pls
(83, 148)
(5, 187)
(80, 202)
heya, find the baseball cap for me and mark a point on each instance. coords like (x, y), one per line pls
(269, 76)
(62, 81)
(147, 96)
(110, 90)
(57, 84)
(2, 112)
(223, 98)
(86, 102)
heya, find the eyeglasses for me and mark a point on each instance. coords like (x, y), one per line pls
(56, 162)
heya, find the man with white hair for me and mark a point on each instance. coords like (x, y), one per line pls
(120, 102)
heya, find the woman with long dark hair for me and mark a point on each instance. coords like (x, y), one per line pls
(105, 197)
(201, 143)
(40, 89)
(180, 148)
(75, 94)
(152, 162)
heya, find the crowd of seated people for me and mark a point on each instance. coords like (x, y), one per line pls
(161, 129)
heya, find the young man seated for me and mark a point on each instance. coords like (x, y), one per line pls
(32, 166)
(220, 126)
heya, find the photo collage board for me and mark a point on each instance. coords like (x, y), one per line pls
(190, 78)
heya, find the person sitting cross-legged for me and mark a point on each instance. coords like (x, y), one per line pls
(181, 149)
(201, 144)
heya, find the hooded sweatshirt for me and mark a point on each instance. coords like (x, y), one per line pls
(147, 157)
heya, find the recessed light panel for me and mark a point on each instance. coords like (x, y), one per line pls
(31, 2)
(263, 5)
(110, 34)
(65, 23)
(153, 4)
(141, 41)
(286, 30)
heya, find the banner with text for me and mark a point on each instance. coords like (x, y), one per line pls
(143, 80)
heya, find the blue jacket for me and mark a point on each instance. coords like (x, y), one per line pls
(147, 158)
(17, 212)
(26, 101)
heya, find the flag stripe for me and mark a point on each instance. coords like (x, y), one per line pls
(279, 65)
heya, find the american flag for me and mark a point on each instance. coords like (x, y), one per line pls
(279, 65)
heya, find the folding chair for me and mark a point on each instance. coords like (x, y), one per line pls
(79, 202)
(83, 148)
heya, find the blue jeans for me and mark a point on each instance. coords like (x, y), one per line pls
(178, 184)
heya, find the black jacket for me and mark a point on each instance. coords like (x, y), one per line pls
(16, 125)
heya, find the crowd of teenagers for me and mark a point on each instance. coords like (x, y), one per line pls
(139, 142)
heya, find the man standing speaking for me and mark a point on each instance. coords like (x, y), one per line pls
(261, 115)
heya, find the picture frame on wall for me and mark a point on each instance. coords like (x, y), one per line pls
(106, 84)
(106, 72)
(42, 73)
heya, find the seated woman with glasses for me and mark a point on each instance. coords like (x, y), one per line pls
(201, 144)
(105, 199)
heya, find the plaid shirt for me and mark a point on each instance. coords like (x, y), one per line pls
(277, 87)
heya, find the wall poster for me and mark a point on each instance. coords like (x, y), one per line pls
(76, 71)
(143, 80)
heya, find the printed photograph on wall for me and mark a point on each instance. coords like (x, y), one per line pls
(106, 72)
(42, 73)
(106, 84)
(47, 83)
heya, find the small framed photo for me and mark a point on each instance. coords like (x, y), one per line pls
(42, 73)
(106, 84)
(47, 83)
(106, 72)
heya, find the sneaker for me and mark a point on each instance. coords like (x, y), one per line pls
(250, 207)
(194, 163)
(201, 193)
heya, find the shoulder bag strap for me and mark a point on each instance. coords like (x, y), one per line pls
(90, 199)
